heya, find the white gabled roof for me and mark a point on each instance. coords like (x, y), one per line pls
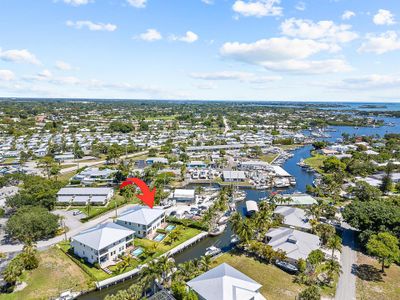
(102, 235)
(141, 215)
(225, 283)
(85, 191)
(293, 216)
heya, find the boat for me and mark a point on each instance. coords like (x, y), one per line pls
(286, 266)
(217, 230)
(68, 295)
(223, 220)
(212, 251)
(234, 239)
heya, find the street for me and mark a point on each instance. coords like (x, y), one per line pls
(346, 288)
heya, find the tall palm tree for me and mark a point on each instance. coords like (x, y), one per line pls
(236, 222)
(246, 231)
(334, 243)
(205, 262)
(165, 264)
(332, 267)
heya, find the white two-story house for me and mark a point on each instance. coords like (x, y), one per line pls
(142, 219)
(102, 244)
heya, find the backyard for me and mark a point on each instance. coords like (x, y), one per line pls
(276, 284)
(372, 284)
(56, 273)
(315, 162)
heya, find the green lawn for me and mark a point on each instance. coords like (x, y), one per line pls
(56, 273)
(268, 157)
(315, 162)
(276, 284)
(372, 284)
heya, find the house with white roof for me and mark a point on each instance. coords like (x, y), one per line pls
(295, 243)
(183, 195)
(225, 283)
(82, 196)
(142, 219)
(293, 217)
(102, 244)
(234, 176)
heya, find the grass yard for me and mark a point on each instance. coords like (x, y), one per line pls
(276, 284)
(161, 118)
(315, 162)
(268, 157)
(161, 247)
(371, 284)
(56, 273)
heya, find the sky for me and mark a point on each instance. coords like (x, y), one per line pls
(283, 50)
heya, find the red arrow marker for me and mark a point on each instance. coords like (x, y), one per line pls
(147, 196)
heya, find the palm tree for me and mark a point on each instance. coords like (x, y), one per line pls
(165, 265)
(246, 231)
(332, 267)
(334, 243)
(205, 262)
(236, 222)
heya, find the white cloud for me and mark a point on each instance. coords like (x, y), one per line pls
(77, 2)
(137, 3)
(209, 2)
(379, 44)
(235, 75)
(281, 48)
(45, 74)
(19, 56)
(301, 6)
(6, 75)
(62, 65)
(189, 37)
(374, 81)
(322, 30)
(150, 35)
(286, 55)
(92, 26)
(348, 14)
(384, 17)
(309, 66)
(257, 8)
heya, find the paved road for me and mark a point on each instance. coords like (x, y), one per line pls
(346, 288)
(76, 228)
(98, 162)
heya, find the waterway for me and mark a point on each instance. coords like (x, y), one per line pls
(303, 179)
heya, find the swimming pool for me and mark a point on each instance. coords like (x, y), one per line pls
(137, 252)
(159, 237)
(170, 227)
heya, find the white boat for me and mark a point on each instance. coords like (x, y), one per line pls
(223, 220)
(235, 239)
(217, 230)
(212, 251)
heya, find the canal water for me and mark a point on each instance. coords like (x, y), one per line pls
(303, 179)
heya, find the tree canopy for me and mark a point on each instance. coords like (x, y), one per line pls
(32, 223)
